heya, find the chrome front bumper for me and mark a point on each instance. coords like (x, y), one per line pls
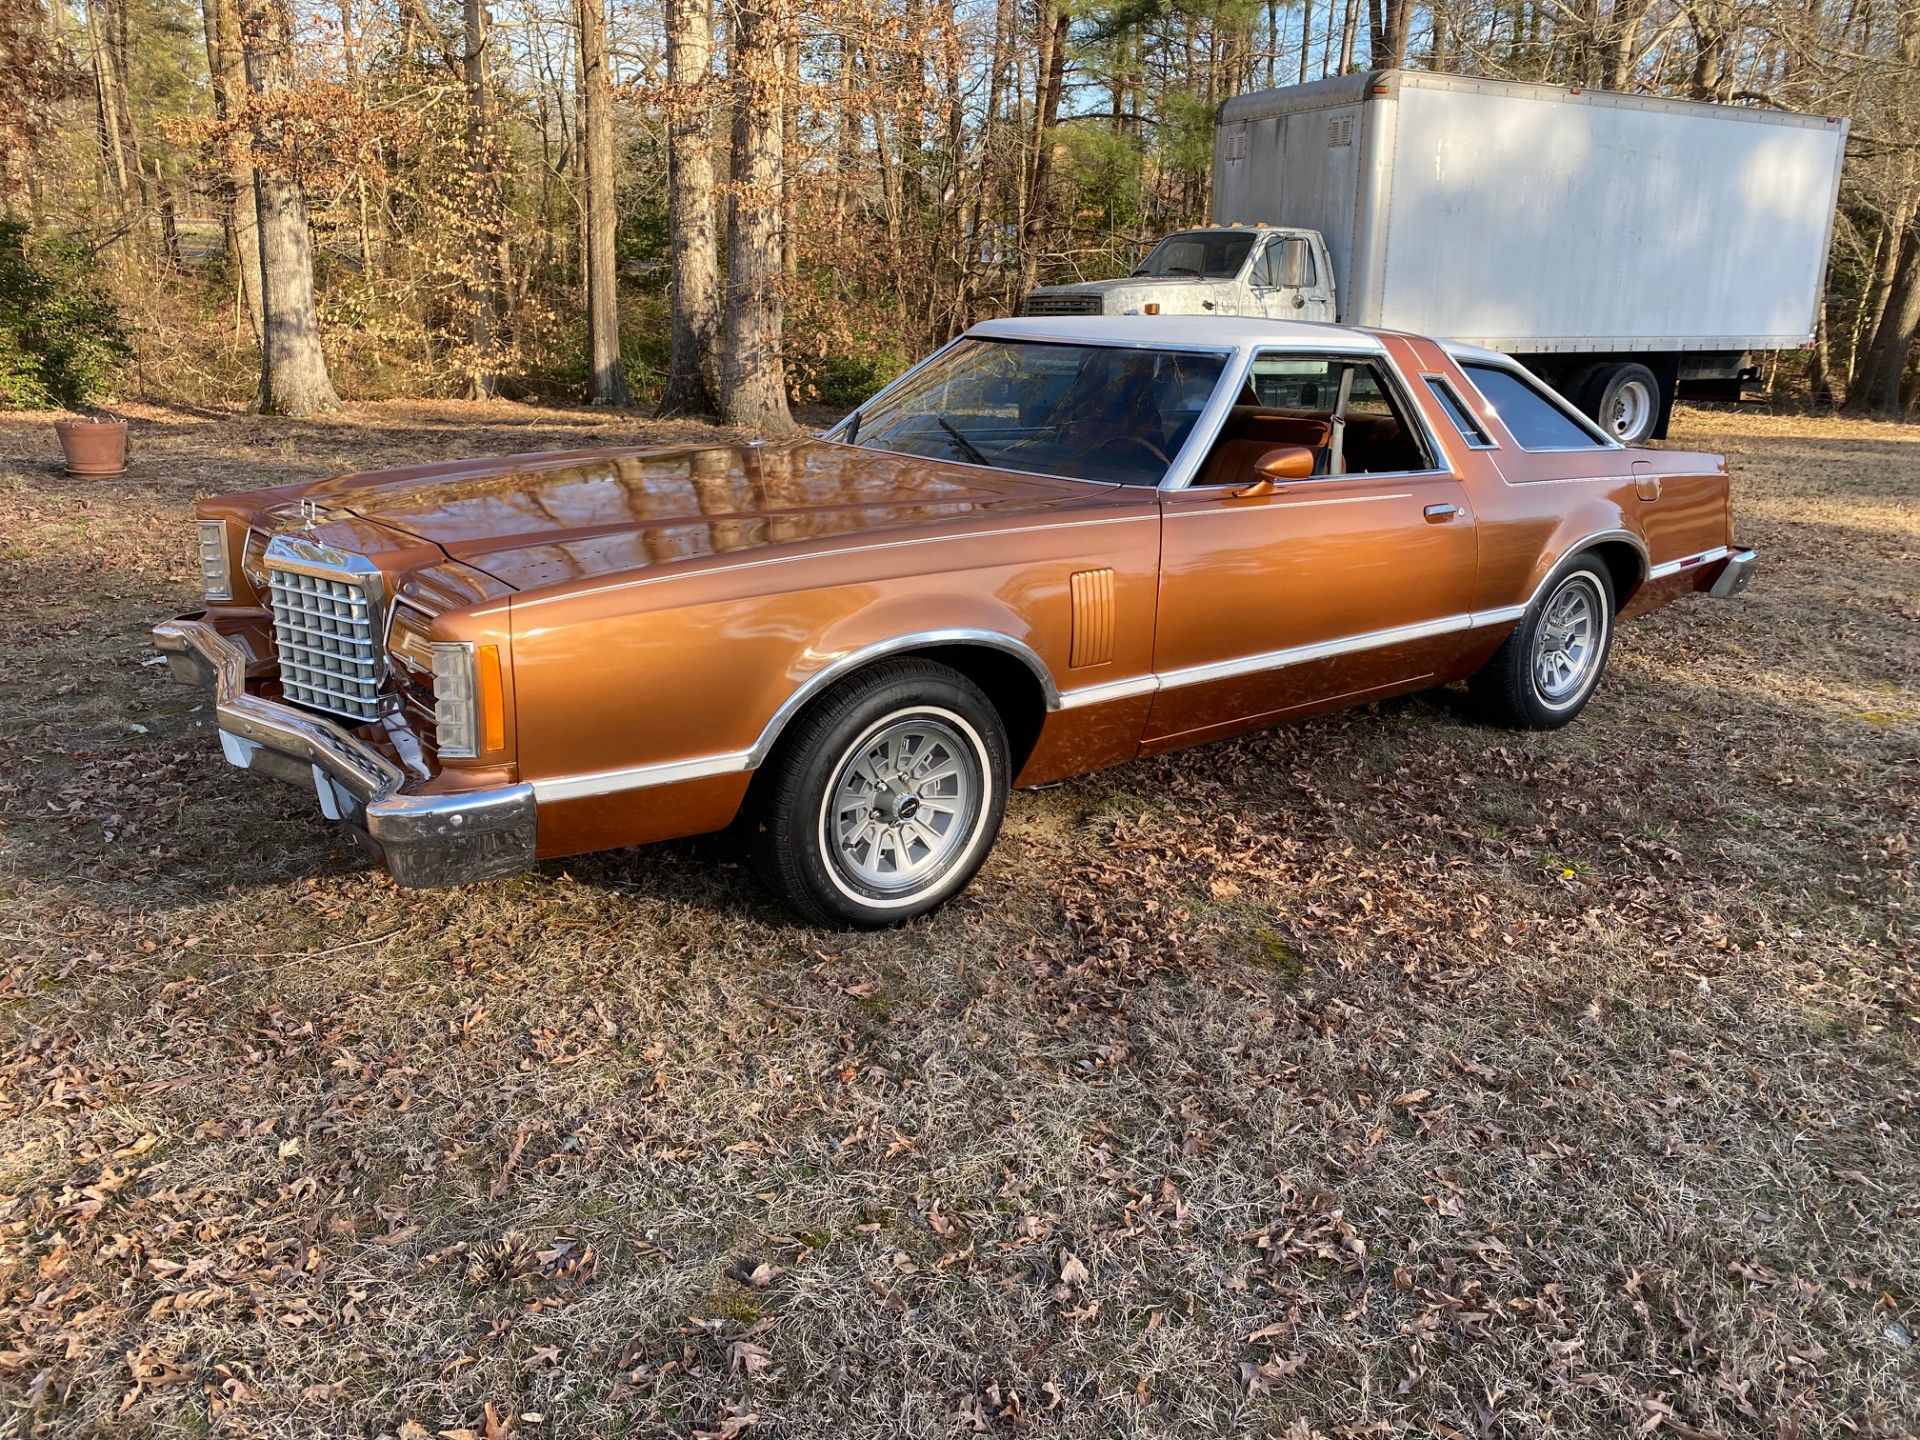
(452, 839)
(1734, 575)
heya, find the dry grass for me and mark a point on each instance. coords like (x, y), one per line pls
(1383, 1075)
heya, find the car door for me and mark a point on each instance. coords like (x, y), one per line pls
(1281, 598)
(1286, 278)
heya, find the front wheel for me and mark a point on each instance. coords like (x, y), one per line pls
(1544, 672)
(884, 799)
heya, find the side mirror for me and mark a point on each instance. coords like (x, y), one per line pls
(1276, 468)
(1285, 462)
(1293, 264)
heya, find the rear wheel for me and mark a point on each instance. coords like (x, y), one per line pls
(1544, 673)
(1625, 399)
(883, 800)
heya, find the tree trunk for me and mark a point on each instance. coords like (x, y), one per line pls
(1877, 382)
(607, 382)
(1037, 230)
(1348, 36)
(228, 76)
(106, 96)
(169, 220)
(293, 372)
(693, 366)
(754, 389)
(483, 241)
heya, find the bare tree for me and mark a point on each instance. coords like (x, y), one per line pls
(607, 378)
(107, 92)
(483, 304)
(693, 366)
(1389, 24)
(293, 371)
(227, 72)
(1051, 22)
(753, 375)
(1877, 387)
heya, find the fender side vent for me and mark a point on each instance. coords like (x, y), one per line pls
(1092, 618)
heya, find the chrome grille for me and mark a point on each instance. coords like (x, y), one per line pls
(326, 628)
(1038, 304)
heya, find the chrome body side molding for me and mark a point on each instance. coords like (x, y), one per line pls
(1688, 562)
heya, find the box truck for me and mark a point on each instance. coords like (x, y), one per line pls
(1627, 249)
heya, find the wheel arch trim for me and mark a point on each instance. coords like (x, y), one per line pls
(823, 679)
(1506, 613)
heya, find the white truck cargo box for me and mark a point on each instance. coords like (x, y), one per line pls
(1537, 219)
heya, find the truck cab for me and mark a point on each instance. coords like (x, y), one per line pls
(1267, 271)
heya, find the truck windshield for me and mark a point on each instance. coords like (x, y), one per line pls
(1086, 412)
(1205, 254)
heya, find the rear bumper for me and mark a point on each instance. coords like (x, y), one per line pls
(1733, 575)
(425, 840)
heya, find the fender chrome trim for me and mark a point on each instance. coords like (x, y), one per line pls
(1688, 562)
(639, 777)
(733, 762)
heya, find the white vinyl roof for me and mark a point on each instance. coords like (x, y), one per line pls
(1220, 332)
(1475, 354)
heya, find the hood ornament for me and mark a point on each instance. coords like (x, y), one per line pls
(309, 510)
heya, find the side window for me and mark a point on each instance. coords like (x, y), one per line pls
(1301, 383)
(1471, 430)
(1266, 266)
(1298, 400)
(1366, 397)
(1536, 422)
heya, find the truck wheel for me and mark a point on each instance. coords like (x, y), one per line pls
(1545, 671)
(1625, 399)
(883, 800)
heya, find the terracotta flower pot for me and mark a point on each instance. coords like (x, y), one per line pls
(93, 447)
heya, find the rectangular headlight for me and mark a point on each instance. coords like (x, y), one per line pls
(216, 571)
(409, 638)
(469, 702)
(253, 561)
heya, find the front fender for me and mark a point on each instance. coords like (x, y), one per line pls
(894, 629)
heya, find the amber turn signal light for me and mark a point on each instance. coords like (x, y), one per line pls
(493, 705)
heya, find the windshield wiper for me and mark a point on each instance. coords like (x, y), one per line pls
(967, 447)
(853, 429)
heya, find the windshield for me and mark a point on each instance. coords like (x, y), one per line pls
(1087, 412)
(1206, 254)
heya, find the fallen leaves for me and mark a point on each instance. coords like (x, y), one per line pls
(1073, 1270)
(1240, 1074)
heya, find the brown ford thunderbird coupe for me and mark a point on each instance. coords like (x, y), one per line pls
(1054, 545)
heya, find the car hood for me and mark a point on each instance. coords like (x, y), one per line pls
(1178, 294)
(1126, 282)
(533, 521)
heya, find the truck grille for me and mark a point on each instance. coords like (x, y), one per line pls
(1037, 304)
(326, 630)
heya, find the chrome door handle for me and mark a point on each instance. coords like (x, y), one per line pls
(1440, 514)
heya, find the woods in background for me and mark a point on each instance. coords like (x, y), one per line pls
(725, 206)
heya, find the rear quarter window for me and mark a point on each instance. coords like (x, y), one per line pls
(1534, 420)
